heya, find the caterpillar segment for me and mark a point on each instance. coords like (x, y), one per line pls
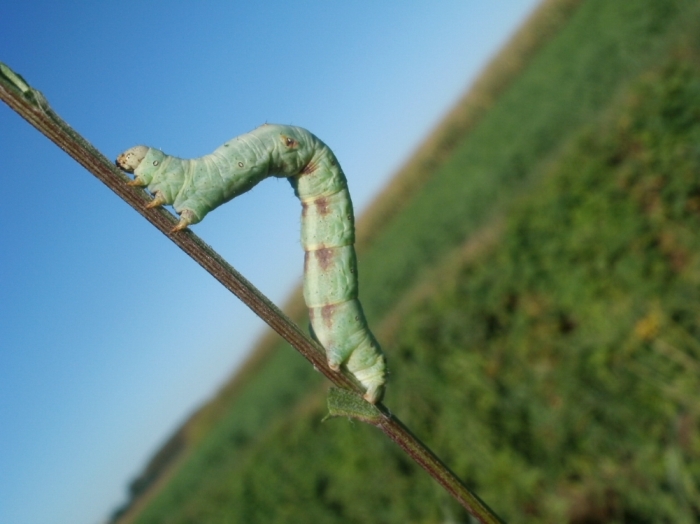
(196, 187)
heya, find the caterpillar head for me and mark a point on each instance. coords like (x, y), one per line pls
(150, 169)
(145, 163)
(130, 159)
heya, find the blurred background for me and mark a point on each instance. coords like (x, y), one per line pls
(109, 337)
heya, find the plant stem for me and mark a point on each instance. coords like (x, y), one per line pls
(33, 107)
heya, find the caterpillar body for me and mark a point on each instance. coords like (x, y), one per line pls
(195, 187)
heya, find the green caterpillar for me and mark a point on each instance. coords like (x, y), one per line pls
(195, 187)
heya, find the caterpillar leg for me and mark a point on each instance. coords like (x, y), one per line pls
(334, 361)
(342, 330)
(374, 394)
(158, 200)
(186, 218)
(370, 370)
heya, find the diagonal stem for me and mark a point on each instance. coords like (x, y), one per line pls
(33, 107)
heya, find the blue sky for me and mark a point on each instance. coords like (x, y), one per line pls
(109, 335)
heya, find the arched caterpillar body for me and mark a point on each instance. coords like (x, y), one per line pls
(195, 187)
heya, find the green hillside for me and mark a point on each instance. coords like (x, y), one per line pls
(556, 369)
(575, 341)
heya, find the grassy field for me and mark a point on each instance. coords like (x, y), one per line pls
(575, 341)
(555, 369)
(569, 81)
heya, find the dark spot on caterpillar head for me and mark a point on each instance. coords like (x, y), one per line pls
(322, 206)
(357, 318)
(155, 162)
(289, 142)
(349, 217)
(325, 257)
(327, 314)
(240, 164)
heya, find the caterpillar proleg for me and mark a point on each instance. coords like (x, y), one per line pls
(195, 187)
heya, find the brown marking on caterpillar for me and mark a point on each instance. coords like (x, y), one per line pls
(322, 206)
(304, 208)
(325, 257)
(289, 142)
(309, 168)
(327, 314)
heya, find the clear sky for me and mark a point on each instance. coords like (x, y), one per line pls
(109, 335)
